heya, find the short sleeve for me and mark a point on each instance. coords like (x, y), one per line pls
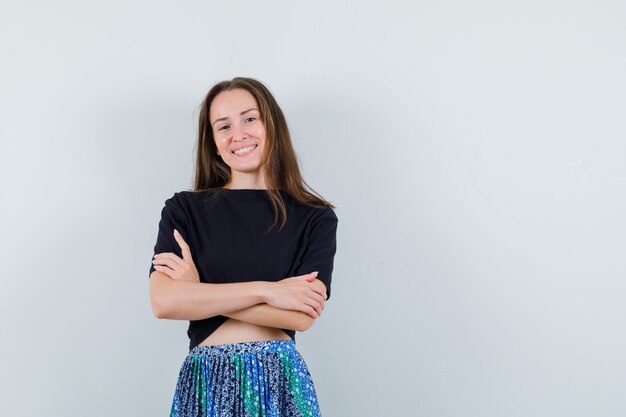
(320, 246)
(172, 217)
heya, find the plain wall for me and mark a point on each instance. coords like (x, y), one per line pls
(475, 151)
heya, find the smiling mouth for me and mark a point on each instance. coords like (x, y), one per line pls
(245, 151)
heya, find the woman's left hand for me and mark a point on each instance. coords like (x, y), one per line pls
(176, 268)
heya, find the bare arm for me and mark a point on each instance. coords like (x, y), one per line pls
(266, 315)
(186, 300)
(178, 294)
(181, 299)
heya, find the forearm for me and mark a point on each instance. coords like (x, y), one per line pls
(267, 315)
(185, 300)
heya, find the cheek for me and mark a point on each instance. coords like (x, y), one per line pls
(259, 132)
(220, 144)
(221, 150)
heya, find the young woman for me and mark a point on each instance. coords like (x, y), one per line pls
(246, 257)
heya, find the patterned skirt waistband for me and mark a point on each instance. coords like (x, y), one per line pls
(244, 347)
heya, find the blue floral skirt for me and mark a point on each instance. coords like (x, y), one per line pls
(264, 378)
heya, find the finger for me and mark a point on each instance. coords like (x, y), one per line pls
(316, 295)
(322, 302)
(169, 259)
(165, 270)
(316, 305)
(311, 276)
(320, 299)
(323, 290)
(320, 288)
(186, 251)
(169, 255)
(311, 312)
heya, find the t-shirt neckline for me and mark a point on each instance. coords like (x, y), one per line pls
(247, 192)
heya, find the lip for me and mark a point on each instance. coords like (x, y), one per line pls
(256, 145)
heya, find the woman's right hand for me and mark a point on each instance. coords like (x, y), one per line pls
(301, 293)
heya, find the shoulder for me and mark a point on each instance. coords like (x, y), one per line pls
(180, 201)
(320, 215)
(326, 213)
(190, 197)
(194, 203)
(313, 213)
(330, 212)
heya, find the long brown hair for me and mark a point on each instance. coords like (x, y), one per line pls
(282, 170)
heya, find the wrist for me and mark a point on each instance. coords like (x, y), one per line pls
(263, 290)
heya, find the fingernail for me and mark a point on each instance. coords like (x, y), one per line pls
(176, 231)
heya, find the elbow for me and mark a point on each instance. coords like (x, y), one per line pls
(159, 309)
(305, 323)
(158, 298)
(158, 312)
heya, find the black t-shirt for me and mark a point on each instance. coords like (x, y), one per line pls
(225, 230)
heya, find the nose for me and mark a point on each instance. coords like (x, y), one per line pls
(239, 133)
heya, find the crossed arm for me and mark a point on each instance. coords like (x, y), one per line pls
(267, 315)
(176, 292)
(245, 301)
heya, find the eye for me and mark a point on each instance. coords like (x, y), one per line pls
(251, 117)
(222, 127)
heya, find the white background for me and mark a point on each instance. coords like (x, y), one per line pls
(475, 150)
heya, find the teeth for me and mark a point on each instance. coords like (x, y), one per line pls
(238, 151)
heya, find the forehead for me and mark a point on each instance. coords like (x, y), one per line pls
(231, 104)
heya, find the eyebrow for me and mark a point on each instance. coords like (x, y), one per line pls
(242, 113)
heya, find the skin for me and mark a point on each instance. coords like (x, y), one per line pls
(292, 303)
(236, 131)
